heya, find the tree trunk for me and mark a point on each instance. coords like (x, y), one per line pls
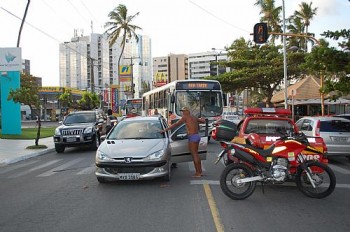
(38, 132)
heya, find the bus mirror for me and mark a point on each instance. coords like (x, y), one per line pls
(172, 99)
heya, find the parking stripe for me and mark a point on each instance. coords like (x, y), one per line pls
(34, 169)
(17, 166)
(60, 168)
(88, 170)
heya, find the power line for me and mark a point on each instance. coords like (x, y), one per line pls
(213, 15)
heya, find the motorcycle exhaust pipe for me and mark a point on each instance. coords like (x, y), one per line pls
(249, 179)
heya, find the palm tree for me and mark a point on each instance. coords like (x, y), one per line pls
(120, 26)
(306, 13)
(271, 15)
(296, 26)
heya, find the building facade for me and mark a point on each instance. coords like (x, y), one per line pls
(204, 64)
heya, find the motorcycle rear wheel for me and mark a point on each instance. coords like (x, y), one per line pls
(324, 180)
(233, 190)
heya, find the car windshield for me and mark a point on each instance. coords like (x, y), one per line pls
(137, 130)
(335, 126)
(80, 118)
(268, 126)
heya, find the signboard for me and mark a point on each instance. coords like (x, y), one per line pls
(125, 71)
(10, 59)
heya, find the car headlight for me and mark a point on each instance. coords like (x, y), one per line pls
(88, 130)
(57, 131)
(101, 156)
(158, 155)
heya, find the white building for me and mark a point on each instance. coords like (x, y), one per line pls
(87, 62)
(202, 65)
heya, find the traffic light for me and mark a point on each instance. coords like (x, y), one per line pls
(260, 33)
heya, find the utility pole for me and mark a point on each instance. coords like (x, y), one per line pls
(132, 73)
(92, 78)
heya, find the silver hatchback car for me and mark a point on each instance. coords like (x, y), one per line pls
(335, 132)
(135, 149)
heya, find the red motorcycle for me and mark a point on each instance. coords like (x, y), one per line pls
(247, 164)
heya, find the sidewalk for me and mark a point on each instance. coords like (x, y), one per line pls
(14, 150)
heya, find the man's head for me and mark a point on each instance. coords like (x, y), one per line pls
(170, 112)
(185, 109)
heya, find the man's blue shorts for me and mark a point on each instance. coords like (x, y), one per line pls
(194, 138)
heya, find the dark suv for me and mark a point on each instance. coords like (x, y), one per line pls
(80, 128)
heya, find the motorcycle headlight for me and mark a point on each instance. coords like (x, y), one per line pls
(155, 156)
(88, 130)
(101, 156)
(57, 131)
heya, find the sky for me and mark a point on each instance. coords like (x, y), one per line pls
(174, 26)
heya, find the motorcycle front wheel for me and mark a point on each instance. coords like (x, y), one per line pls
(322, 176)
(229, 185)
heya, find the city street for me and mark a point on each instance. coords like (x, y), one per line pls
(59, 192)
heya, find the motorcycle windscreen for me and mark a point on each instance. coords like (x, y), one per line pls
(179, 145)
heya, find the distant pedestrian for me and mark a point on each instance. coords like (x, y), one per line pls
(171, 117)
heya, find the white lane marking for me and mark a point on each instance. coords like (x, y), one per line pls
(287, 184)
(35, 168)
(60, 168)
(17, 166)
(88, 170)
(339, 169)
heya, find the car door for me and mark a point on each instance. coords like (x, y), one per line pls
(179, 144)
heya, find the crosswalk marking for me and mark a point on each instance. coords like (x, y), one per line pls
(60, 168)
(88, 170)
(17, 166)
(35, 168)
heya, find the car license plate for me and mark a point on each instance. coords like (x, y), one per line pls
(340, 139)
(129, 176)
(71, 139)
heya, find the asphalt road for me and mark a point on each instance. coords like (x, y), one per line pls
(59, 192)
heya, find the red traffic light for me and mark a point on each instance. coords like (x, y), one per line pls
(260, 33)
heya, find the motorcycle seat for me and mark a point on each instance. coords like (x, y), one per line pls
(263, 152)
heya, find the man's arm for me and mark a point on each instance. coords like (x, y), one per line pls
(178, 123)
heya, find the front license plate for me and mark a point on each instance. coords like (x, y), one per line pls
(71, 139)
(129, 176)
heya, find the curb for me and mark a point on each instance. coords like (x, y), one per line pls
(24, 157)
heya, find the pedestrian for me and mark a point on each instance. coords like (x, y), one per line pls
(155, 112)
(171, 117)
(192, 126)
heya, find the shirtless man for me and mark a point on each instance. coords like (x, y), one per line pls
(193, 136)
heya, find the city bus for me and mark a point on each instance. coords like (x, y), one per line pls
(203, 97)
(130, 104)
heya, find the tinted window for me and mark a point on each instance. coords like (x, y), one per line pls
(267, 126)
(80, 118)
(335, 126)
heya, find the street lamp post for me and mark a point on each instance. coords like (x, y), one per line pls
(285, 59)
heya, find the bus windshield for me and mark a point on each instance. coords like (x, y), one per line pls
(133, 104)
(201, 103)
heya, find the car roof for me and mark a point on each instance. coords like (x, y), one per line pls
(142, 118)
(325, 118)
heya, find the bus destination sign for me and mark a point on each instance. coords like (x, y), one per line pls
(198, 85)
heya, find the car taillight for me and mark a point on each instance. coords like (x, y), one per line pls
(318, 127)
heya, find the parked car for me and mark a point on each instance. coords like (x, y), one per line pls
(79, 128)
(335, 131)
(347, 116)
(270, 124)
(135, 149)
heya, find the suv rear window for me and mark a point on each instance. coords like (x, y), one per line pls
(335, 126)
(268, 126)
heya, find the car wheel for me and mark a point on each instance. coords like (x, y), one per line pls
(96, 143)
(101, 180)
(59, 148)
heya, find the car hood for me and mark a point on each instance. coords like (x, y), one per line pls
(76, 125)
(132, 147)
